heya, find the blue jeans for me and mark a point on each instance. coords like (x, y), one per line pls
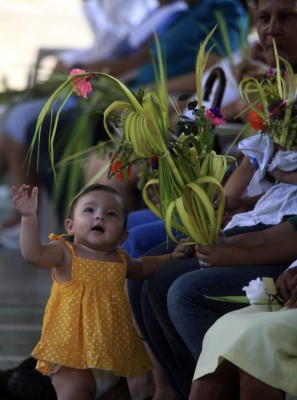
(160, 334)
(192, 313)
(173, 314)
(146, 231)
(177, 296)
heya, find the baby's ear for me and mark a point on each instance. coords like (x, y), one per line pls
(124, 237)
(68, 226)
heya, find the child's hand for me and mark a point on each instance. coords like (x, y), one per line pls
(183, 251)
(23, 202)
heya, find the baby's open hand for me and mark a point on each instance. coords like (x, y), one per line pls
(22, 201)
(183, 250)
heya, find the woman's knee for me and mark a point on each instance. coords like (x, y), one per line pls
(253, 388)
(178, 293)
(185, 291)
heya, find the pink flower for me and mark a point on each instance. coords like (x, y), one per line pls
(216, 117)
(81, 84)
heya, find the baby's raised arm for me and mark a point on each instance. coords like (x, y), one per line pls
(42, 256)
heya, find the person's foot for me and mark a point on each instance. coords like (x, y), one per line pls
(4, 378)
(5, 375)
(7, 396)
(31, 385)
(28, 364)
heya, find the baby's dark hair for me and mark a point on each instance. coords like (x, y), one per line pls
(100, 188)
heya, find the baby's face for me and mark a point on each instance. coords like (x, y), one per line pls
(98, 220)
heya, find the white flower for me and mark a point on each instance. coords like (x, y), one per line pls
(255, 291)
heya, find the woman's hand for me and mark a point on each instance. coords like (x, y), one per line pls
(286, 286)
(283, 176)
(219, 254)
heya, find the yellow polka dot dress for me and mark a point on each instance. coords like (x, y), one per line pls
(88, 322)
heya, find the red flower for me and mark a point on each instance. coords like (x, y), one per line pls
(255, 120)
(117, 169)
(81, 84)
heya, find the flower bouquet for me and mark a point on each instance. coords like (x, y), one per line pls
(272, 104)
(187, 173)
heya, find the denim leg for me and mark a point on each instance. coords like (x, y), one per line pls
(151, 330)
(146, 232)
(178, 359)
(193, 314)
(140, 217)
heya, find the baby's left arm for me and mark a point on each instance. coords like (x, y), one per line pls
(144, 267)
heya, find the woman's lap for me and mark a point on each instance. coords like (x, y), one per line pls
(192, 312)
(182, 324)
(177, 301)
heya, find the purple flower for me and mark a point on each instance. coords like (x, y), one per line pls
(215, 115)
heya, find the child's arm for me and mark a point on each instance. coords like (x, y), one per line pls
(43, 256)
(144, 267)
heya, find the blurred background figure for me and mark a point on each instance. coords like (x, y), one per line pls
(63, 25)
(111, 22)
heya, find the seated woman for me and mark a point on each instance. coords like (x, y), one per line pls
(251, 352)
(174, 312)
(173, 302)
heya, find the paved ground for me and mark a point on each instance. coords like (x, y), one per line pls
(23, 294)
